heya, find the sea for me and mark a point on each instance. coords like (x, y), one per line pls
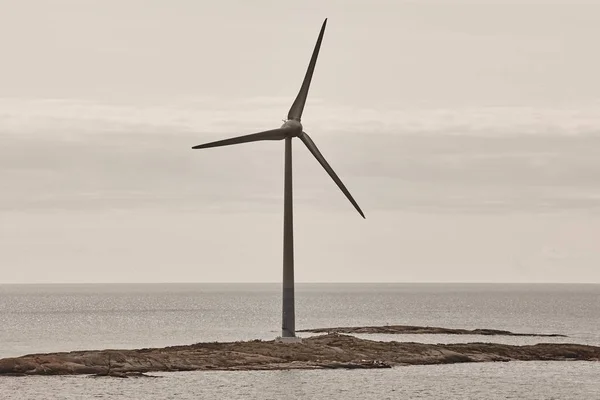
(51, 318)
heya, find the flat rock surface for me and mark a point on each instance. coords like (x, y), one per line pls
(318, 352)
(412, 330)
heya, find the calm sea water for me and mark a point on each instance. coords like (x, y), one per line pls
(44, 318)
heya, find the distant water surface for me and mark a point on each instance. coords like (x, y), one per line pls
(45, 318)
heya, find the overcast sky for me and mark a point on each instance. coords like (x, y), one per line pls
(467, 131)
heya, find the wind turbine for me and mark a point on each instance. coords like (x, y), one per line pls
(291, 128)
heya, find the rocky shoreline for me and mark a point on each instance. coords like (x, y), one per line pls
(414, 330)
(328, 351)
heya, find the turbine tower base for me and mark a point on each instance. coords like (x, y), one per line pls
(288, 339)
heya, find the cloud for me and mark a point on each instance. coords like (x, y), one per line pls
(70, 154)
(20, 116)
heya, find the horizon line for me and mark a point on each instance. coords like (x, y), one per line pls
(308, 282)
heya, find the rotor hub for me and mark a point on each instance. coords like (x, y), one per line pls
(293, 125)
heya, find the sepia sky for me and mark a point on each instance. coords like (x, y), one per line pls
(467, 131)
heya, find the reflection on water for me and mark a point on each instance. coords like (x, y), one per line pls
(514, 380)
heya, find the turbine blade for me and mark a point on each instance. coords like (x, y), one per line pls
(273, 134)
(298, 106)
(315, 151)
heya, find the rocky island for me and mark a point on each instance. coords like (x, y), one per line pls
(332, 350)
(414, 330)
